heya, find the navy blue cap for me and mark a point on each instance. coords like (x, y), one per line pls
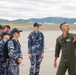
(5, 33)
(1, 27)
(15, 30)
(36, 24)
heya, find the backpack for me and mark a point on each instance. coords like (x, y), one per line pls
(6, 56)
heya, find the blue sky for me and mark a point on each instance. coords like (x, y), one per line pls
(25, 9)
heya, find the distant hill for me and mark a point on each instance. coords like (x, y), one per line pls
(3, 20)
(55, 20)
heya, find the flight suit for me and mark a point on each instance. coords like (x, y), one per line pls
(2, 59)
(35, 48)
(68, 59)
(14, 52)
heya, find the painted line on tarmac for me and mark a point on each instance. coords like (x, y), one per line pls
(50, 49)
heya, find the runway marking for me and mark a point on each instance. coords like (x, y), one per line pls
(50, 49)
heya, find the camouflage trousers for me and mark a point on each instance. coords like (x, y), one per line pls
(2, 67)
(35, 64)
(13, 67)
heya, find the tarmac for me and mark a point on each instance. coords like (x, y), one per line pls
(47, 67)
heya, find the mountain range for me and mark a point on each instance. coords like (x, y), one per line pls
(52, 20)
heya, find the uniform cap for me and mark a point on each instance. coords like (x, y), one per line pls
(15, 30)
(5, 33)
(1, 27)
(36, 24)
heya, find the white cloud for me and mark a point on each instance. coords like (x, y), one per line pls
(14, 9)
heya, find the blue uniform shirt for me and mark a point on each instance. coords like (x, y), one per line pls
(1, 48)
(2, 59)
(36, 43)
(14, 52)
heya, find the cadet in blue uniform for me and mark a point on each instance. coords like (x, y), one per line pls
(1, 31)
(5, 37)
(35, 49)
(14, 52)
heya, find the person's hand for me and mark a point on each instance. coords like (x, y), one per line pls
(29, 56)
(19, 60)
(74, 38)
(55, 64)
(42, 55)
